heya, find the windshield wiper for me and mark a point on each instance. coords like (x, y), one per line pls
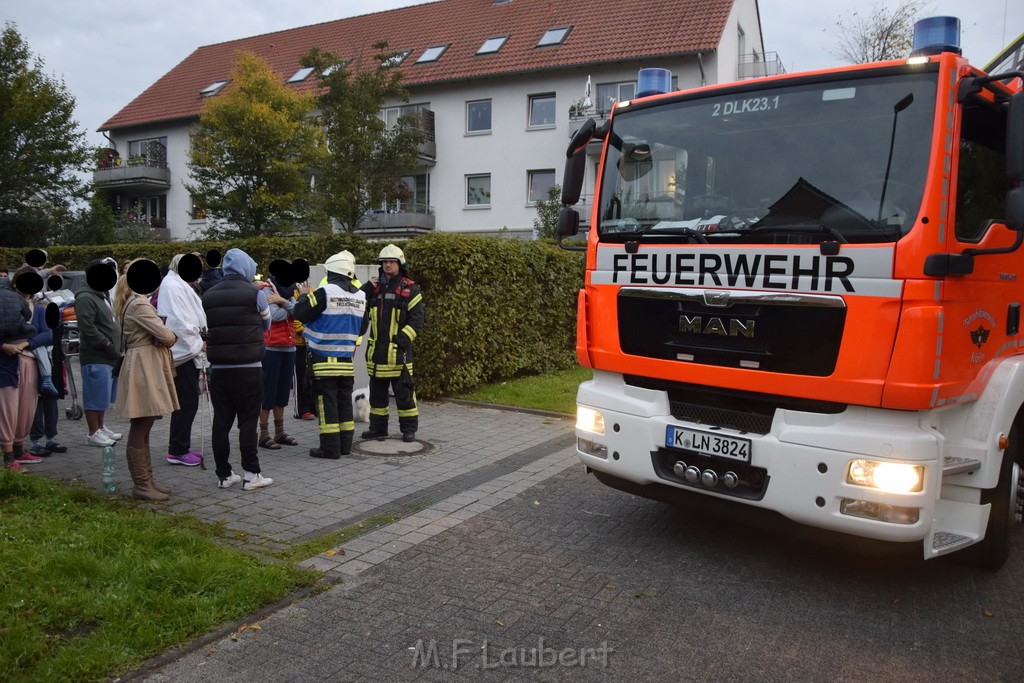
(686, 232)
(799, 228)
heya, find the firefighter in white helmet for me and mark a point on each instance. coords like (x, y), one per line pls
(333, 317)
(394, 319)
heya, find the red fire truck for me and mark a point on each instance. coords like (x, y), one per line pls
(803, 294)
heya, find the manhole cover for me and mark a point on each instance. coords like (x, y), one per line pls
(391, 447)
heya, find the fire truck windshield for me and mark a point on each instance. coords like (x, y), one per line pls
(841, 160)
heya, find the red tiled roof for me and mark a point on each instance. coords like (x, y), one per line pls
(603, 31)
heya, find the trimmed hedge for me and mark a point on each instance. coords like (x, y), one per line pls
(496, 308)
(313, 248)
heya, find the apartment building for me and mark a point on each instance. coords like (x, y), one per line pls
(497, 86)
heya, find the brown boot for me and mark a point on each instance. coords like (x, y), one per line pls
(139, 467)
(149, 466)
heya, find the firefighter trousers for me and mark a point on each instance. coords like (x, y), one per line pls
(332, 384)
(405, 399)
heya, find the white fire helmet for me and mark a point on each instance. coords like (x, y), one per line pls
(392, 252)
(343, 263)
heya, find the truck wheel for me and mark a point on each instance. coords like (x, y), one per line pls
(992, 552)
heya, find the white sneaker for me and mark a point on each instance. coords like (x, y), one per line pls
(226, 483)
(255, 481)
(113, 436)
(99, 440)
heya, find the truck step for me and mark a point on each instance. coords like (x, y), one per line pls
(944, 542)
(954, 465)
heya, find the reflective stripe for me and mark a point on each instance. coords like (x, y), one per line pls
(312, 298)
(347, 426)
(409, 332)
(330, 428)
(413, 301)
(412, 412)
(379, 412)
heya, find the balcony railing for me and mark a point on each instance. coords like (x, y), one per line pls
(409, 220)
(759, 65)
(134, 172)
(423, 121)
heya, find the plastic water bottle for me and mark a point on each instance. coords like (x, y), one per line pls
(109, 485)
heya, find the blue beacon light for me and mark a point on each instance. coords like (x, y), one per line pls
(653, 81)
(935, 35)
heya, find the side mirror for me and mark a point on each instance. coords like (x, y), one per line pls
(568, 222)
(1015, 138)
(1015, 208)
(572, 179)
(576, 163)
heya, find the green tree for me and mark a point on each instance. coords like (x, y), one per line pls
(367, 158)
(41, 144)
(546, 222)
(252, 154)
(886, 32)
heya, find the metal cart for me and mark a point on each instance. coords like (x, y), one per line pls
(69, 344)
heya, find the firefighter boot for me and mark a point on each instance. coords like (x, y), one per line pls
(346, 442)
(330, 447)
(378, 428)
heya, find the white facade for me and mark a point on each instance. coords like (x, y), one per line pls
(507, 153)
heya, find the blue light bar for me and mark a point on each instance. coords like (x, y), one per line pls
(935, 35)
(653, 81)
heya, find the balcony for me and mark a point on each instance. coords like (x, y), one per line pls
(135, 173)
(408, 220)
(759, 65)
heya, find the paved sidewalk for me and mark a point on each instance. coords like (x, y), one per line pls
(467, 459)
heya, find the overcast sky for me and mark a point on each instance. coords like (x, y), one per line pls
(109, 51)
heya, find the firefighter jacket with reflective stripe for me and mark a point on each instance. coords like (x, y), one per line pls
(333, 317)
(395, 317)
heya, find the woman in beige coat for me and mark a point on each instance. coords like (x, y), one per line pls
(146, 382)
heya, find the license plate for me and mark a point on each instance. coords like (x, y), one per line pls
(708, 443)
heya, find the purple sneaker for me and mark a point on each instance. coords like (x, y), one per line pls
(190, 459)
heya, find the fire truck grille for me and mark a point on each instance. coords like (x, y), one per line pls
(743, 411)
(792, 334)
(721, 417)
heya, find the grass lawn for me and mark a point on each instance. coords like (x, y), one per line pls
(556, 392)
(93, 586)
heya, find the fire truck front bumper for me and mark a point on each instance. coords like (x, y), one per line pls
(867, 472)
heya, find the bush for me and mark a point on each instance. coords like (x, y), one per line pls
(496, 308)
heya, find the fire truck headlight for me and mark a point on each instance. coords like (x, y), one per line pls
(589, 420)
(891, 477)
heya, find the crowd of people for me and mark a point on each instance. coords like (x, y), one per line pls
(151, 341)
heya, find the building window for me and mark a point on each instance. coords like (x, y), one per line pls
(432, 54)
(390, 115)
(478, 190)
(554, 36)
(396, 59)
(539, 182)
(610, 93)
(478, 116)
(151, 211)
(213, 88)
(148, 152)
(198, 212)
(542, 110)
(301, 75)
(492, 45)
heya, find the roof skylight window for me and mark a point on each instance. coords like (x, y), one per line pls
(334, 67)
(301, 75)
(554, 36)
(432, 54)
(492, 45)
(213, 88)
(397, 58)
